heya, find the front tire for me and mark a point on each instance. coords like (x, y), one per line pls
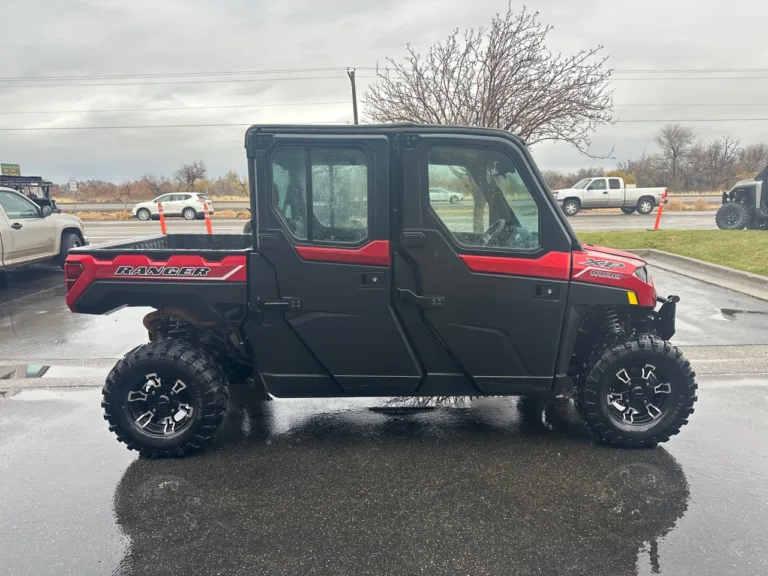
(733, 216)
(637, 393)
(454, 200)
(144, 215)
(165, 399)
(69, 240)
(571, 207)
(645, 206)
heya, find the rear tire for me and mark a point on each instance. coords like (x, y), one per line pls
(189, 214)
(144, 215)
(571, 207)
(733, 216)
(69, 240)
(645, 206)
(179, 392)
(628, 209)
(659, 397)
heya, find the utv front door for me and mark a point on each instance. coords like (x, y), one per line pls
(322, 321)
(481, 288)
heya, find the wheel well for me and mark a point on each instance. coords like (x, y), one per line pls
(578, 201)
(73, 231)
(651, 198)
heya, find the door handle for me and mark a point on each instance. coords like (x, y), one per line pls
(16, 226)
(413, 239)
(606, 192)
(421, 301)
(546, 292)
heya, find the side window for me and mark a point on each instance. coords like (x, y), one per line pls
(614, 184)
(182, 197)
(598, 184)
(16, 207)
(328, 202)
(499, 212)
(339, 194)
(289, 189)
(164, 198)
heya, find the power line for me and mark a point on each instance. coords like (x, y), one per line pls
(677, 105)
(688, 70)
(237, 124)
(177, 74)
(693, 78)
(172, 108)
(238, 80)
(692, 120)
(148, 126)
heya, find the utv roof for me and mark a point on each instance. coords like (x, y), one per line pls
(379, 129)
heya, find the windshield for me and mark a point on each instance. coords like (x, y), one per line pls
(582, 183)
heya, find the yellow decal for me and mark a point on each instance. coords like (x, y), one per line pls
(632, 298)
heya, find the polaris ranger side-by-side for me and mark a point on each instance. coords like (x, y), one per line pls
(353, 283)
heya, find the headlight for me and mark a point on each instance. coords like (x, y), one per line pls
(642, 273)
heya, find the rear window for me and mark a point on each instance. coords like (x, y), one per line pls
(203, 196)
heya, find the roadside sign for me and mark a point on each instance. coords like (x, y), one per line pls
(73, 185)
(10, 170)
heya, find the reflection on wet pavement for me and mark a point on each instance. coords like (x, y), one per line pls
(363, 486)
(454, 491)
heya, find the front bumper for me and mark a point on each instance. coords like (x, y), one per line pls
(665, 317)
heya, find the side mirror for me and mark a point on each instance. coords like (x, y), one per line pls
(47, 211)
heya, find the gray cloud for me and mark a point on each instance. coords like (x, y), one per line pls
(98, 37)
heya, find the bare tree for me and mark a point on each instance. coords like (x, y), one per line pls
(503, 77)
(157, 185)
(753, 158)
(675, 142)
(720, 161)
(188, 174)
(124, 191)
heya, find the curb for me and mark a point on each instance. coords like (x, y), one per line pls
(745, 282)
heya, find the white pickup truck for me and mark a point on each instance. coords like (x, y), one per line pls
(30, 233)
(610, 192)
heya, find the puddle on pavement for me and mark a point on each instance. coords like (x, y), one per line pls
(733, 313)
(25, 371)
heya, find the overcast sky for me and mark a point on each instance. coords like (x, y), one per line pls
(119, 37)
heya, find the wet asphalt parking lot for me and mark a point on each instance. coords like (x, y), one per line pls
(370, 487)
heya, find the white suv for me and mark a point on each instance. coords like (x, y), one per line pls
(189, 205)
(443, 195)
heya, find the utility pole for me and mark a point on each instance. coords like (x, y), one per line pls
(351, 74)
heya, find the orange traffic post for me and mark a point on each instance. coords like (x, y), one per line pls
(207, 218)
(660, 210)
(163, 229)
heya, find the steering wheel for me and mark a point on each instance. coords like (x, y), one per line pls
(492, 232)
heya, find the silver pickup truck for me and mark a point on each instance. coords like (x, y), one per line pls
(609, 192)
(30, 233)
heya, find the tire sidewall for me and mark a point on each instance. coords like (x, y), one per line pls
(601, 378)
(140, 215)
(187, 211)
(571, 203)
(643, 201)
(736, 208)
(129, 379)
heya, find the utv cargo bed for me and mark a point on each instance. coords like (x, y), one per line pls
(205, 274)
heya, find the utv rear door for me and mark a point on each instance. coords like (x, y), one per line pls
(482, 284)
(322, 321)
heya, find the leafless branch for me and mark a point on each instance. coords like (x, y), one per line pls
(502, 77)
